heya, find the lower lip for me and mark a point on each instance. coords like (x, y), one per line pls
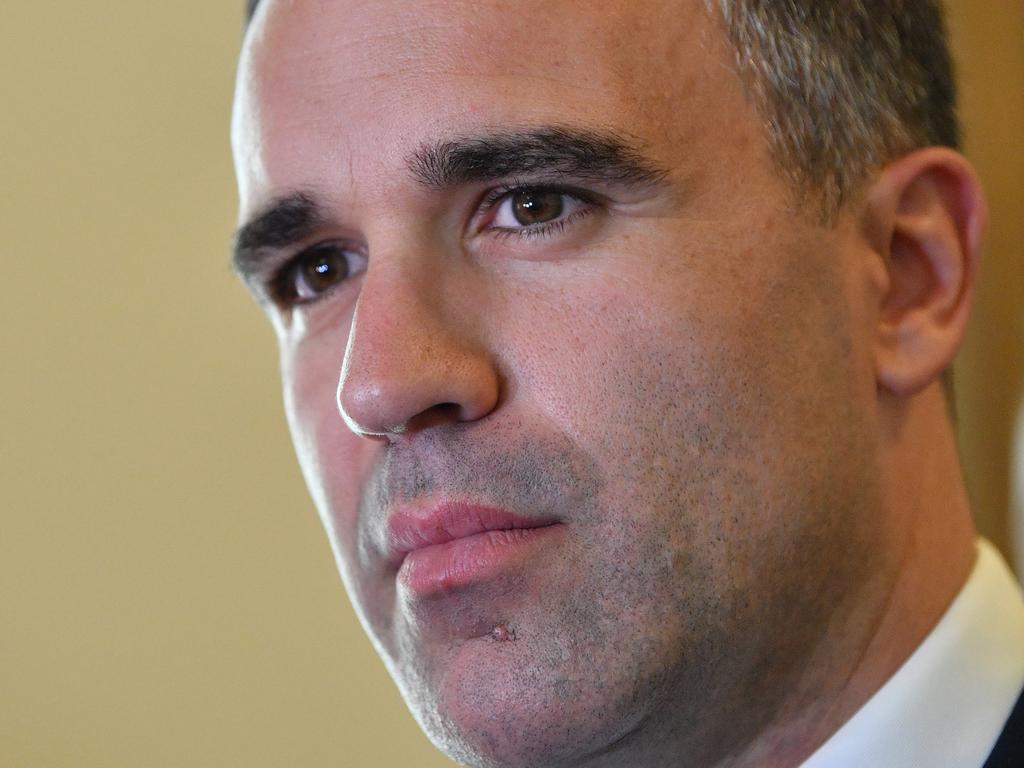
(443, 567)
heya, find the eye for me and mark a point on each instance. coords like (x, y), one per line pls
(318, 270)
(535, 208)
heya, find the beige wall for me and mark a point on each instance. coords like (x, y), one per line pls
(166, 595)
(989, 39)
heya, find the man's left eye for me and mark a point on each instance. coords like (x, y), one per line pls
(526, 208)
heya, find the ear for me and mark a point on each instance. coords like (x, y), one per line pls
(926, 217)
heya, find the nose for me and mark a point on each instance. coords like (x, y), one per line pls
(413, 360)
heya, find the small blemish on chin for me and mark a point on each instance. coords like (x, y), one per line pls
(503, 633)
(680, 562)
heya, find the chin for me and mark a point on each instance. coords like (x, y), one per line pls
(500, 706)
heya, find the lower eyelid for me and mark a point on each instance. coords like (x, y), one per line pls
(586, 210)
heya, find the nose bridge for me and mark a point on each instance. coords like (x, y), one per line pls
(412, 354)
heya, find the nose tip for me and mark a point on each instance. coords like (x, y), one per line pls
(378, 401)
(407, 369)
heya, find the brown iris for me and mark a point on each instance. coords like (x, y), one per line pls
(321, 269)
(536, 206)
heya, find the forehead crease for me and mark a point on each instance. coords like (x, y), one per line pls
(614, 45)
(513, 34)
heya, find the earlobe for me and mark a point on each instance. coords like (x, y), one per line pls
(927, 215)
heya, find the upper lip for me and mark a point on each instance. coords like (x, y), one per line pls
(413, 527)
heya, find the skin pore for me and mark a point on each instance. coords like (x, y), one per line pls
(732, 410)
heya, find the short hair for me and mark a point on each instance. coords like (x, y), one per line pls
(844, 87)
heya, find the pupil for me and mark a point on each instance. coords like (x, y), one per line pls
(537, 207)
(323, 270)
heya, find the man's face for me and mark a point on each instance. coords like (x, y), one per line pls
(646, 349)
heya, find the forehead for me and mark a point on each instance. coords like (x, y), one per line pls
(331, 93)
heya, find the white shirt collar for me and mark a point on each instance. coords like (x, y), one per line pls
(949, 701)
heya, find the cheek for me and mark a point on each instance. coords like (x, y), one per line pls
(706, 376)
(610, 358)
(336, 464)
(333, 459)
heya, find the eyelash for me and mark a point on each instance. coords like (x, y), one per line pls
(283, 286)
(495, 197)
(281, 283)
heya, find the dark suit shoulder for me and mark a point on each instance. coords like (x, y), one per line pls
(1009, 749)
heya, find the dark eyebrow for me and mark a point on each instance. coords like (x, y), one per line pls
(551, 151)
(287, 220)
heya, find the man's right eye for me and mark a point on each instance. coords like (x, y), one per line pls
(317, 271)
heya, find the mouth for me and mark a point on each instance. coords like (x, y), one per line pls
(449, 545)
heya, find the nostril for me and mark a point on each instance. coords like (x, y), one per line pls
(442, 413)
